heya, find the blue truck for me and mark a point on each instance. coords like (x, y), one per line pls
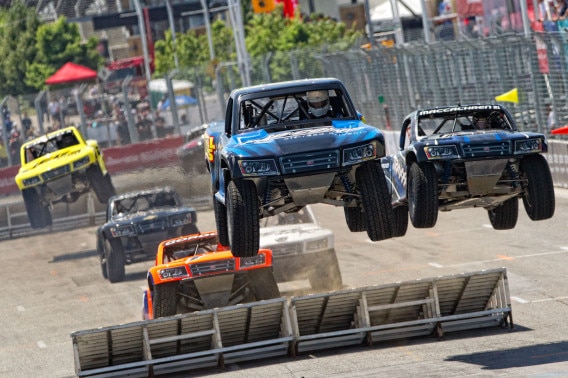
(466, 156)
(283, 146)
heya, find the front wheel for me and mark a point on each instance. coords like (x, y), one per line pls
(102, 258)
(39, 214)
(538, 196)
(504, 216)
(115, 260)
(164, 300)
(263, 284)
(101, 184)
(375, 199)
(242, 218)
(423, 195)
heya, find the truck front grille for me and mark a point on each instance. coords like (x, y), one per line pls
(212, 267)
(286, 249)
(472, 150)
(152, 225)
(307, 162)
(60, 171)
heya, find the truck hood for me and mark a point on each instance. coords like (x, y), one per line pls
(270, 236)
(477, 137)
(150, 215)
(332, 136)
(54, 159)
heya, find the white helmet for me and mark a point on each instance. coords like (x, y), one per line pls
(318, 102)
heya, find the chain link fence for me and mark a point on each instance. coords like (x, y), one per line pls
(386, 84)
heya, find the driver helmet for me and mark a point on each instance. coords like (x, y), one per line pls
(318, 102)
(482, 123)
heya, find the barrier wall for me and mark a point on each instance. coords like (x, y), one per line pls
(119, 159)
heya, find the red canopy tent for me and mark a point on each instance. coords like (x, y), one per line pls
(71, 72)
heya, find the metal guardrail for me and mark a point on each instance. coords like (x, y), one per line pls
(287, 326)
(91, 217)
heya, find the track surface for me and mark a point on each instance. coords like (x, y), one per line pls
(52, 286)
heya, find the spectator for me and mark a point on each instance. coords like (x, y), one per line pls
(53, 108)
(3, 154)
(550, 119)
(62, 109)
(26, 123)
(143, 125)
(160, 123)
(14, 146)
(562, 9)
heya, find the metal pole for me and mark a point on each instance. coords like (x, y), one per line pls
(79, 103)
(208, 27)
(426, 22)
(131, 123)
(370, 31)
(172, 96)
(398, 36)
(5, 132)
(144, 40)
(173, 30)
(238, 33)
(39, 111)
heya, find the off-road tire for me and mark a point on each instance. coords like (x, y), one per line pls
(400, 221)
(355, 219)
(538, 197)
(102, 258)
(115, 260)
(189, 229)
(164, 300)
(101, 184)
(326, 275)
(39, 215)
(504, 216)
(242, 218)
(263, 284)
(422, 195)
(375, 199)
(220, 211)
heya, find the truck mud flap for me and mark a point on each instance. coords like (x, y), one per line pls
(288, 326)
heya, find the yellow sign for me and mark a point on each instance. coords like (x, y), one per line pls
(263, 6)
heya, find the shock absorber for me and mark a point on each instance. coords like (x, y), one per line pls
(346, 183)
(513, 173)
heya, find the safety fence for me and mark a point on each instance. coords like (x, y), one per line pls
(290, 326)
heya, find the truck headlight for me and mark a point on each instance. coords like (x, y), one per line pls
(81, 162)
(264, 167)
(122, 230)
(528, 145)
(441, 152)
(247, 262)
(316, 245)
(31, 181)
(358, 154)
(180, 219)
(177, 272)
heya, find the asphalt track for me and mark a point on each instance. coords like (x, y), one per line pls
(52, 286)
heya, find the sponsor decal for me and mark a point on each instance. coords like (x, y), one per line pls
(454, 109)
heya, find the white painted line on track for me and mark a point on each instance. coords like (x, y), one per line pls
(548, 299)
(519, 299)
(436, 265)
(41, 344)
(21, 308)
(564, 251)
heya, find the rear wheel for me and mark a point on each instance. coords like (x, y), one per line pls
(164, 300)
(400, 220)
(101, 184)
(422, 195)
(242, 218)
(538, 196)
(504, 216)
(375, 199)
(263, 284)
(220, 211)
(115, 261)
(39, 214)
(355, 219)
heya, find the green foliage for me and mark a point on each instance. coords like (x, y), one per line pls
(267, 33)
(56, 44)
(18, 25)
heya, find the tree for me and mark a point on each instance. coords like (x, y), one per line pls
(56, 44)
(18, 26)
